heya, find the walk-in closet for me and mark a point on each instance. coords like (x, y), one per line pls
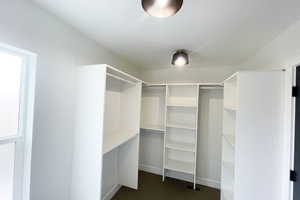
(149, 100)
(200, 134)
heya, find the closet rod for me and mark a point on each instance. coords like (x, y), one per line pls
(183, 84)
(119, 78)
(123, 73)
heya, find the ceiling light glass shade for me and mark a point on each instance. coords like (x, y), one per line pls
(180, 58)
(162, 8)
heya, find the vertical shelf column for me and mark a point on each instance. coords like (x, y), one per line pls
(165, 131)
(228, 139)
(196, 138)
(181, 125)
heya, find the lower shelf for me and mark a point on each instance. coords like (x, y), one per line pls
(227, 194)
(180, 166)
(153, 127)
(116, 138)
(229, 166)
(181, 146)
(181, 126)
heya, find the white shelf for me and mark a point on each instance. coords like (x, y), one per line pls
(182, 101)
(181, 126)
(116, 139)
(184, 105)
(154, 127)
(181, 146)
(228, 194)
(230, 107)
(230, 139)
(229, 166)
(180, 166)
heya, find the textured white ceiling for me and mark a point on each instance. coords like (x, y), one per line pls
(216, 32)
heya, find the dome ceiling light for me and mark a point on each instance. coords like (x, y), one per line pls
(162, 8)
(180, 58)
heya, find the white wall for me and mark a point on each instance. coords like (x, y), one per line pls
(189, 74)
(60, 49)
(283, 51)
(209, 142)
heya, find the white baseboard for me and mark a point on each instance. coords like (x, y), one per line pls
(200, 181)
(151, 169)
(111, 193)
(209, 183)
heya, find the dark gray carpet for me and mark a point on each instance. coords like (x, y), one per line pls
(151, 187)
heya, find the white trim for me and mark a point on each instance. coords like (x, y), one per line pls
(209, 183)
(165, 133)
(23, 140)
(292, 116)
(201, 181)
(28, 124)
(196, 139)
(12, 139)
(112, 192)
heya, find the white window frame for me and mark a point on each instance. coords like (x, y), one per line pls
(23, 139)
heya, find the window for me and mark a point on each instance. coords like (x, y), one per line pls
(16, 121)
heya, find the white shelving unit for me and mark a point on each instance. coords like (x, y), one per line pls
(106, 144)
(252, 136)
(181, 116)
(117, 138)
(171, 109)
(228, 139)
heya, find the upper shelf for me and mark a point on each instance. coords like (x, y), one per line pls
(116, 139)
(187, 147)
(181, 126)
(182, 102)
(230, 139)
(187, 105)
(153, 127)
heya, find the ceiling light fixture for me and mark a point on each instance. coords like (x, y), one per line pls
(162, 8)
(180, 58)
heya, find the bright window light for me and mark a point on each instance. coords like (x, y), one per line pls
(10, 81)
